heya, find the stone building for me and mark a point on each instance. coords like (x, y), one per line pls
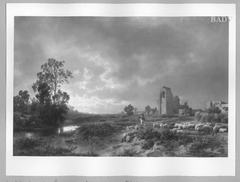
(169, 105)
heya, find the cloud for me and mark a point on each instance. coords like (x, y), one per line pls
(87, 74)
(76, 73)
(126, 60)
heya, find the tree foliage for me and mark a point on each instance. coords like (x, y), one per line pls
(52, 100)
(213, 110)
(148, 109)
(154, 110)
(129, 110)
(53, 75)
(21, 102)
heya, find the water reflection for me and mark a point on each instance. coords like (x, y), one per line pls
(29, 135)
(47, 132)
(67, 129)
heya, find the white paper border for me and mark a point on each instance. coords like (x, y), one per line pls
(120, 166)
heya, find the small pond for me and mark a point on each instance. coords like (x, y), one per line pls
(57, 136)
(47, 132)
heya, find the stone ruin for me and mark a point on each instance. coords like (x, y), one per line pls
(169, 105)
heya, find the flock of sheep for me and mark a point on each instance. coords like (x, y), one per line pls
(200, 127)
(208, 128)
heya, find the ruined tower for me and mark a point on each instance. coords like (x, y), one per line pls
(176, 104)
(169, 105)
(165, 102)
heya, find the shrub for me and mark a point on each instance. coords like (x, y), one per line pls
(148, 144)
(127, 153)
(129, 110)
(92, 153)
(205, 117)
(37, 147)
(18, 122)
(87, 131)
(224, 117)
(27, 143)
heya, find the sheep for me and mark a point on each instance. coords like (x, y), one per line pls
(180, 131)
(216, 128)
(185, 126)
(163, 125)
(174, 130)
(207, 129)
(222, 130)
(154, 125)
(128, 138)
(191, 126)
(199, 128)
(210, 124)
(198, 125)
(124, 135)
(130, 127)
(178, 125)
(136, 127)
(224, 126)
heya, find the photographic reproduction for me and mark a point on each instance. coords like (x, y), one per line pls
(95, 87)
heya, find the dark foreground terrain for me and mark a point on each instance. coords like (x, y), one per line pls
(119, 135)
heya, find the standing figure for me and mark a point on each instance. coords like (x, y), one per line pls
(142, 118)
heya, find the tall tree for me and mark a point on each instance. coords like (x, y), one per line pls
(44, 94)
(52, 74)
(129, 110)
(148, 109)
(154, 110)
(53, 101)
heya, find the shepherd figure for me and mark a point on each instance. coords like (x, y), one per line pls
(142, 118)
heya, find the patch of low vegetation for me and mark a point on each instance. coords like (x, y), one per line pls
(160, 134)
(127, 153)
(24, 122)
(87, 131)
(91, 153)
(212, 115)
(196, 145)
(38, 147)
(148, 144)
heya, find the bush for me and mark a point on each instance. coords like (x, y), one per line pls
(148, 144)
(224, 117)
(37, 147)
(27, 143)
(33, 121)
(205, 117)
(92, 153)
(162, 134)
(127, 153)
(18, 122)
(87, 131)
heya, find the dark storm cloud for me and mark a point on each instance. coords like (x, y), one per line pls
(130, 58)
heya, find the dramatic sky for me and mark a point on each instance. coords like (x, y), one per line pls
(121, 61)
